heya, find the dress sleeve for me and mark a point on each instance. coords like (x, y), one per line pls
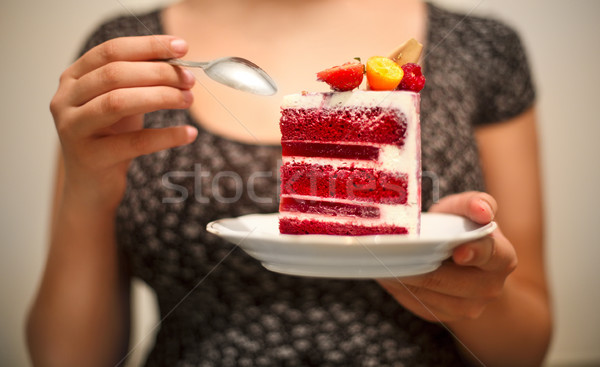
(124, 26)
(507, 87)
(98, 36)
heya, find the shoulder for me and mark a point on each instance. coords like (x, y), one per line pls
(148, 23)
(490, 56)
(483, 36)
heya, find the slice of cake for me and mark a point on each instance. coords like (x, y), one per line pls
(351, 163)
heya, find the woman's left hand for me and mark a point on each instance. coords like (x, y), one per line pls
(464, 285)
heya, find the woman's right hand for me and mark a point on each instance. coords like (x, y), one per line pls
(98, 111)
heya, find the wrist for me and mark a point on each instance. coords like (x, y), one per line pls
(88, 203)
(94, 196)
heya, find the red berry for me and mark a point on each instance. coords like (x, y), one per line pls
(413, 78)
(344, 77)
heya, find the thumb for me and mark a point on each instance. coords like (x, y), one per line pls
(477, 206)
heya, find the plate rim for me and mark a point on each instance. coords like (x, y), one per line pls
(217, 227)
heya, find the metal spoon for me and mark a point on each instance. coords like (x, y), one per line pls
(235, 72)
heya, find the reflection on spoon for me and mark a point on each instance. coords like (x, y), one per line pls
(234, 72)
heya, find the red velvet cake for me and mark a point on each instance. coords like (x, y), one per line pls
(351, 163)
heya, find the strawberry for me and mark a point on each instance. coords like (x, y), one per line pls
(413, 78)
(344, 77)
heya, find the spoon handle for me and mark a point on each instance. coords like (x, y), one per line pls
(189, 64)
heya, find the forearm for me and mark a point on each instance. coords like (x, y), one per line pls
(79, 316)
(513, 331)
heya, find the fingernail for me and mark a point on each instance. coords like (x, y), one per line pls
(187, 96)
(469, 255)
(191, 132)
(179, 46)
(486, 208)
(188, 77)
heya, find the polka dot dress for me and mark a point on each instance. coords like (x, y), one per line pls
(220, 307)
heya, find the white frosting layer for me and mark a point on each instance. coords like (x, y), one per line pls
(390, 159)
(412, 227)
(401, 100)
(397, 215)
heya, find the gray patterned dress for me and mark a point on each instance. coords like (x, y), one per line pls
(220, 307)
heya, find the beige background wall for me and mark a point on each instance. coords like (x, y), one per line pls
(39, 38)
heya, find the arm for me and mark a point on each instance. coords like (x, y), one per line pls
(520, 320)
(499, 312)
(83, 301)
(80, 316)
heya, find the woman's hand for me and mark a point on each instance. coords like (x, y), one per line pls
(463, 286)
(98, 111)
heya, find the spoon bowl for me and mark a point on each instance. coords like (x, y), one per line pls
(234, 72)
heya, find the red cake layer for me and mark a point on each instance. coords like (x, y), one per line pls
(352, 183)
(307, 226)
(328, 208)
(344, 124)
(329, 150)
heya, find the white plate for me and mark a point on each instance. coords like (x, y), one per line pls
(381, 256)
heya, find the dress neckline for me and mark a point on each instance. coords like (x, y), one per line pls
(191, 119)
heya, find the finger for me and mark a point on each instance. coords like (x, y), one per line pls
(493, 253)
(128, 49)
(457, 281)
(477, 206)
(105, 110)
(126, 74)
(133, 144)
(410, 301)
(448, 308)
(503, 258)
(476, 253)
(433, 306)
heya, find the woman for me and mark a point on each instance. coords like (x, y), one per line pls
(116, 213)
